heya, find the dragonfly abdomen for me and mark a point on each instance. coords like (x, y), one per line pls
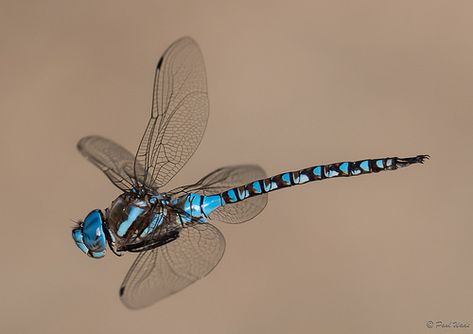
(317, 173)
(200, 207)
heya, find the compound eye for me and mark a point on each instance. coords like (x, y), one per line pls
(93, 234)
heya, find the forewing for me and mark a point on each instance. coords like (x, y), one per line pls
(223, 179)
(112, 159)
(179, 114)
(165, 270)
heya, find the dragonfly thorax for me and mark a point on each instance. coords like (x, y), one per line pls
(132, 220)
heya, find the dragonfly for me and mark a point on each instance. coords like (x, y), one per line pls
(173, 231)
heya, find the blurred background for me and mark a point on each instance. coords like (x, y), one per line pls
(291, 85)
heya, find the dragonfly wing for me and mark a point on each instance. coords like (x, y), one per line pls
(165, 270)
(223, 179)
(112, 159)
(179, 114)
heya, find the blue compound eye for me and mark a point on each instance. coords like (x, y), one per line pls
(90, 236)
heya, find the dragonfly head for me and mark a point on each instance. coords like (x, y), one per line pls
(89, 236)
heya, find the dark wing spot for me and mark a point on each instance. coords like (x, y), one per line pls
(160, 62)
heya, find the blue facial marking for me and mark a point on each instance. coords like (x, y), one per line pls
(286, 178)
(273, 186)
(97, 255)
(77, 236)
(380, 163)
(303, 178)
(257, 187)
(125, 225)
(365, 165)
(344, 167)
(318, 171)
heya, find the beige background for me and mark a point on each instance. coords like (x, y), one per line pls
(291, 84)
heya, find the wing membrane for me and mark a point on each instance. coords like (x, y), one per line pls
(165, 270)
(112, 159)
(179, 114)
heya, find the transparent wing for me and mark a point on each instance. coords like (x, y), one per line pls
(114, 160)
(165, 270)
(223, 179)
(179, 114)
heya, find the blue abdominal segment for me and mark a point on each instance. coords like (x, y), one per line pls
(233, 196)
(318, 171)
(286, 178)
(331, 173)
(257, 187)
(344, 168)
(200, 207)
(365, 165)
(303, 178)
(210, 203)
(380, 164)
